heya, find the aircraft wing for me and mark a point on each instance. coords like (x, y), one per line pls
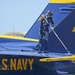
(64, 15)
(14, 43)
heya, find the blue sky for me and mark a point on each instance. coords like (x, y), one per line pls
(19, 14)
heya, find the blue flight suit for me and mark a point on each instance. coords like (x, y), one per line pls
(44, 32)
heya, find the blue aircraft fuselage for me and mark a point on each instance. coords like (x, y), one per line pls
(20, 56)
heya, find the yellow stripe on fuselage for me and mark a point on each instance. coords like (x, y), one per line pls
(18, 38)
(62, 1)
(72, 58)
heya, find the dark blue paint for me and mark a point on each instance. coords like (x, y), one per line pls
(57, 17)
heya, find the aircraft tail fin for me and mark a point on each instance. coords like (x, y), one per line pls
(66, 32)
(34, 30)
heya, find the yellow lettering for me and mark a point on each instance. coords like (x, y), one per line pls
(4, 64)
(13, 64)
(73, 29)
(31, 63)
(19, 65)
(24, 62)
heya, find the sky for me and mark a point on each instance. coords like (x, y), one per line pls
(19, 15)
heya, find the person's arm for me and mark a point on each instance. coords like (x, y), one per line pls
(52, 22)
(40, 19)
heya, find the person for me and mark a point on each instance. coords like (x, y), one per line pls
(44, 30)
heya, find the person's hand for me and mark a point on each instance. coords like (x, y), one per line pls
(43, 16)
(52, 27)
(44, 28)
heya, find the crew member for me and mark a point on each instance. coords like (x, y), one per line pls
(44, 29)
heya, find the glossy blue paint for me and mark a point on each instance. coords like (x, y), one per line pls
(64, 23)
